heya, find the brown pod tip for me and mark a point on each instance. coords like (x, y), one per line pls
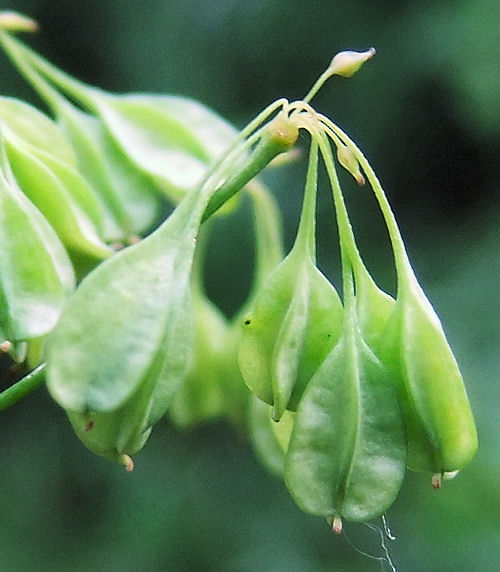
(436, 481)
(337, 525)
(128, 462)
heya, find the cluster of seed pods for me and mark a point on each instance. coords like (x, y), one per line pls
(340, 395)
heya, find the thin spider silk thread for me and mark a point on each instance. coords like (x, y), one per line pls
(384, 532)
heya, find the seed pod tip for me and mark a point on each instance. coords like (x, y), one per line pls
(128, 462)
(5, 346)
(337, 525)
(436, 481)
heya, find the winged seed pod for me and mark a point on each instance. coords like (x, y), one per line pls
(440, 426)
(142, 348)
(295, 319)
(35, 273)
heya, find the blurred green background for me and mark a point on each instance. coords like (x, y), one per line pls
(426, 111)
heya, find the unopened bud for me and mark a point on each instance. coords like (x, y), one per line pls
(348, 63)
(15, 22)
(348, 160)
(448, 475)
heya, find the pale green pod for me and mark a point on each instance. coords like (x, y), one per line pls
(295, 319)
(269, 438)
(35, 128)
(35, 273)
(441, 431)
(347, 451)
(201, 395)
(52, 195)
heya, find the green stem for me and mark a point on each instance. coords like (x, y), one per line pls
(279, 136)
(22, 388)
(85, 94)
(345, 228)
(306, 235)
(317, 86)
(268, 232)
(50, 95)
(403, 266)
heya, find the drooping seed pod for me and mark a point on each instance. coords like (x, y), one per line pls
(141, 352)
(441, 430)
(347, 451)
(294, 321)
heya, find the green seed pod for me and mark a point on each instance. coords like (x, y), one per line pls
(35, 273)
(347, 451)
(294, 321)
(201, 397)
(138, 307)
(439, 423)
(130, 204)
(269, 438)
(53, 194)
(142, 336)
(34, 127)
(441, 431)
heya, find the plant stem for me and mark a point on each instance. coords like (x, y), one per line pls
(279, 136)
(306, 235)
(23, 387)
(403, 266)
(85, 94)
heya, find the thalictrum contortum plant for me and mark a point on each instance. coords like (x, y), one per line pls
(359, 388)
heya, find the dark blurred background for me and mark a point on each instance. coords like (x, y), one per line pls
(426, 111)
